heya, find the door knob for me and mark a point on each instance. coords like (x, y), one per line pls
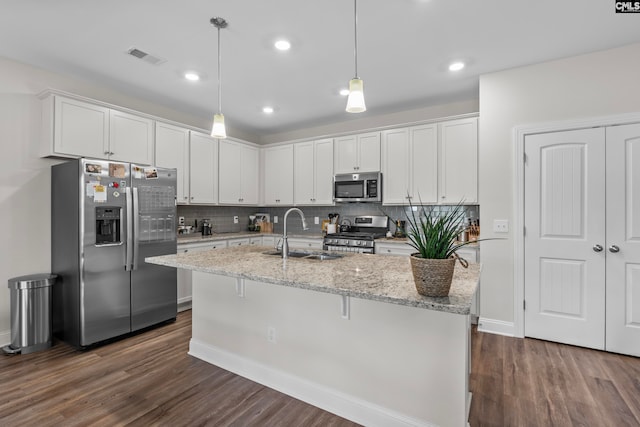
(614, 249)
(597, 248)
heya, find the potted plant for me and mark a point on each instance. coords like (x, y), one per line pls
(434, 236)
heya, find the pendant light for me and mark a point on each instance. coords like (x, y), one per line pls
(355, 102)
(218, 129)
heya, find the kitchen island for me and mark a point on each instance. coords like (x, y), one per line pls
(350, 335)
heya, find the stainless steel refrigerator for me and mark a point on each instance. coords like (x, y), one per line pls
(106, 217)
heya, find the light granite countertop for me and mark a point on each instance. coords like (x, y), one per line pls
(373, 277)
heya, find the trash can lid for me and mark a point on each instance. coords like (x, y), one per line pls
(32, 281)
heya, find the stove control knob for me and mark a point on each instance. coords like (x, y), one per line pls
(358, 242)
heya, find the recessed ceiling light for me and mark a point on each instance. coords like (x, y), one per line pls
(456, 66)
(267, 110)
(191, 76)
(344, 92)
(282, 45)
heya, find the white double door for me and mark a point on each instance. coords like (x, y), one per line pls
(582, 241)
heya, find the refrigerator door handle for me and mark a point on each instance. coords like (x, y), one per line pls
(136, 232)
(129, 219)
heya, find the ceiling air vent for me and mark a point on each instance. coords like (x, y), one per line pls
(146, 57)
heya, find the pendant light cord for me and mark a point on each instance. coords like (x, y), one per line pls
(355, 34)
(219, 77)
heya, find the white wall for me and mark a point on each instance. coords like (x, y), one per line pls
(598, 84)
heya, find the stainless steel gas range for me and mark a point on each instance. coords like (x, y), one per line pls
(357, 235)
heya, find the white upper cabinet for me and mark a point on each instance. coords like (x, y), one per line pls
(357, 153)
(130, 138)
(410, 165)
(238, 173)
(74, 128)
(79, 128)
(313, 172)
(396, 176)
(278, 175)
(423, 155)
(203, 169)
(458, 161)
(172, 151)
(434, 163)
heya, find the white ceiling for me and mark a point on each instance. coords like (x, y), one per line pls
(405, 47)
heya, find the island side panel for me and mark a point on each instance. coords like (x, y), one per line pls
(386, 364)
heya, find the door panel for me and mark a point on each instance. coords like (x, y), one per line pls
(564, 217)
(104, 286)
(623, 231)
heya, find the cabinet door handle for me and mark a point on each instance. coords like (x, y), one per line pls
(614, 249)
(597, 248)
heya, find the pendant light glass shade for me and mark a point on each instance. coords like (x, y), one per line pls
(355, 102)
(218, 130)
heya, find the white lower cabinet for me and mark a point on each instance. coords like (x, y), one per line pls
(404, 249)
(393, 249)
(239, 242)
(269, 241)
(305, 243)
(184, 276)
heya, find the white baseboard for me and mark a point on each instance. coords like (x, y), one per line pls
(5, 338)
(184, 304)
(498, 327)
(336, 402)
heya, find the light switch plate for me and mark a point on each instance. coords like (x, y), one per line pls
(275, 219)
(316, 220)
(235, 219)
(500, 225)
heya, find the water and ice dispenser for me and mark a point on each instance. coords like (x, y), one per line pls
(108, 225)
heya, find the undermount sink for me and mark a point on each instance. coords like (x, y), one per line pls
(321, 256)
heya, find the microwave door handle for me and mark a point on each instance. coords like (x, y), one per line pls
(128, 219)
(136, 229)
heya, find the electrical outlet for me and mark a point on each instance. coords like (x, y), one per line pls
(275, 219)
(235, 219)
(271, 334)
(500, 225)
(180, 220)
(316, 220)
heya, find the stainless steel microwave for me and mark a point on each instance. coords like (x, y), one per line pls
(358, 187)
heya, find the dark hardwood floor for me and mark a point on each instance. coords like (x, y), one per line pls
(528, 382)
(144, 380)
(149, 379)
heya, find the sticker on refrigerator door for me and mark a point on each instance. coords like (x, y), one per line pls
(116, 170)
(92, 168)
(90, 189)
(99, 193)
(138, 172)
(151, 173)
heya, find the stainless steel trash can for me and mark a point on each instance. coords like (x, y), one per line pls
(30, 313)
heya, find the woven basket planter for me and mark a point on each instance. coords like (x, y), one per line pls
(432, 277)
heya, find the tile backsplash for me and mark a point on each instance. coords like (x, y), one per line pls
(221, 217)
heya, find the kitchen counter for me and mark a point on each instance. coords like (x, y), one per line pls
(351, 335)
(385, 279)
